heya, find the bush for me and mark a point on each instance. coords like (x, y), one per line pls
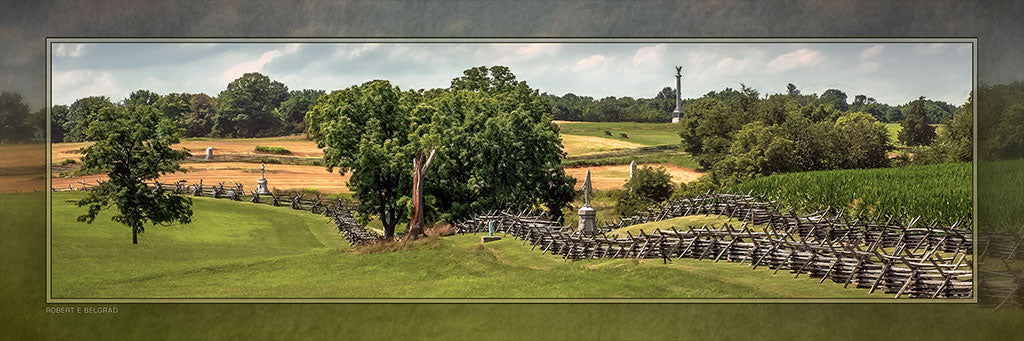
(272, 150)
(67, 162)
(648, 186)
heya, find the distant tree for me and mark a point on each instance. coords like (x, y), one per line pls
(141, 97)
(245, 108)
(293, 110)
(198, 119)
(80, 114)
(174, 106)
(835, 98)
(496, 79)
(916, 131)
(133, 146)
(959, 134)
(58, 118)
(867, 141)
(791, 90)
(14, 116)
(758, 150)
(666, 93)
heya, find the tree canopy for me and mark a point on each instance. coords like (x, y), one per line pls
(133, 146)
(495, 146)
(245, 108)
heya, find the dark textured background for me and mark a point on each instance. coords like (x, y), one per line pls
(24, 25)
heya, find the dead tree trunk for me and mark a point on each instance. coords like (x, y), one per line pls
(419, 171)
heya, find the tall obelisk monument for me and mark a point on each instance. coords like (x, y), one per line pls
(678, 113)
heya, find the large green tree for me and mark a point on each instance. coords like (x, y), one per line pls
(133, 146)
(365, 130)
(915, 129)
(494, 150)
(245, 108)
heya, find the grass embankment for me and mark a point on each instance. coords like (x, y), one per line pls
(648, 134)
(236, 249)
(932, 191)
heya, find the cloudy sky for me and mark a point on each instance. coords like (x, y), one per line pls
(892, 73)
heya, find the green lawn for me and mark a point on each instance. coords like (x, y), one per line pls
(684, 223)
(237, 249)
(651, 134)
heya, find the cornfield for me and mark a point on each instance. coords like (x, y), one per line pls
(934, 191)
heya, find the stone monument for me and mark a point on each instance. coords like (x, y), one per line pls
(678, 113)
(261, 184)
(632, 168)
(588, 215)
(490, 237)
(209, 153)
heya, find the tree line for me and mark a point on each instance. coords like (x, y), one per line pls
(738, 134)
(255, 105)
(658, 109)
(251, 106)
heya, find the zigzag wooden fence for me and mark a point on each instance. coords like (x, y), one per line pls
(906, 259)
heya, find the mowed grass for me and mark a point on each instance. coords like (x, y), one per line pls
(575, 145)
(241, 250)
(713, 221)
(648, 134)
(931, 191)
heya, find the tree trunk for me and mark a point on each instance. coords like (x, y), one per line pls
(135, 235)
(419, 169)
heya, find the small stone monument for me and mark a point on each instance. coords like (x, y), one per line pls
(632, 168)
(490, 237)
(261, 184)
(209, 153)
(588, 215)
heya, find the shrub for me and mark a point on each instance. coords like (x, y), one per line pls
(272, 150)
(648, 186)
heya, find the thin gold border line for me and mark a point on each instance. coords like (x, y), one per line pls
(49, 65)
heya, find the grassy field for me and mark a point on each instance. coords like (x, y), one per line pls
(648, 134)
(227, 252)
(683, 224)
(941, 190)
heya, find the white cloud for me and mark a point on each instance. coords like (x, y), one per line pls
(68, 50)
(590, 62)
(536, 50)
(799, 58)
(362, 49)
(255, 65)
(69, 86)
(871, 52)
(650, 55)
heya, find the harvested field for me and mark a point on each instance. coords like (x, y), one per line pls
(609, 177)
(284, 177)
(298, 145)
(575, 145)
